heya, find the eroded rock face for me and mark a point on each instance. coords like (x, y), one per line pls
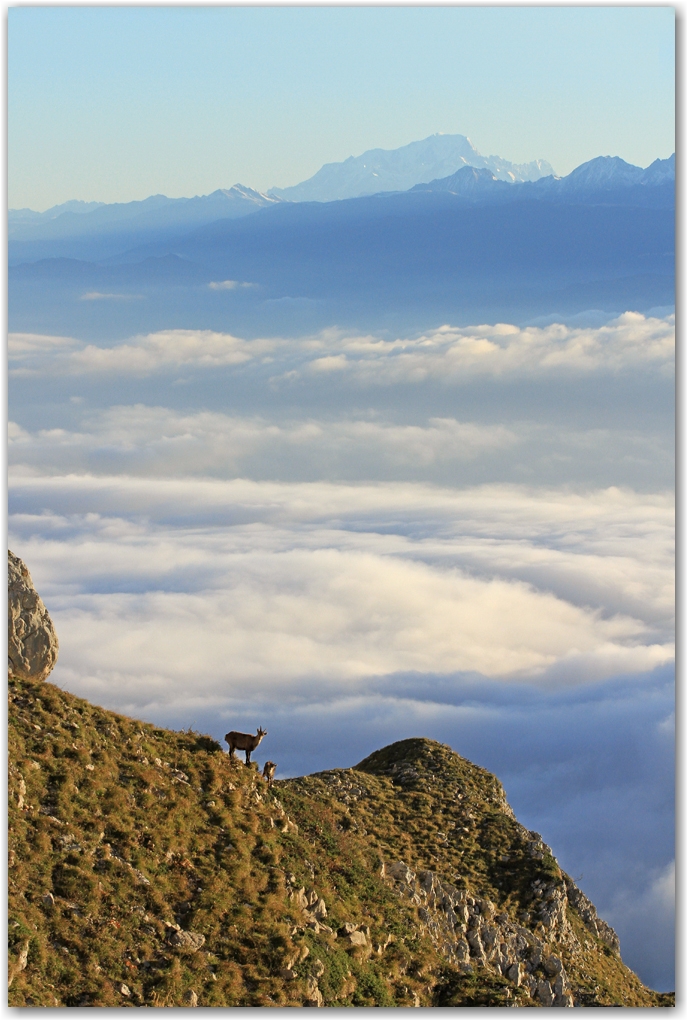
(32, 641)
(468, 931)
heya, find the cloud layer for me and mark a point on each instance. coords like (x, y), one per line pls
(629, 342)
(159, 441)
(466, 534)
(281, 584)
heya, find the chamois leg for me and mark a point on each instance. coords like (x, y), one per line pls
(247, 757)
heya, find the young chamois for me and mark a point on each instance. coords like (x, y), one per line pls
(268, 772)
(244, 742)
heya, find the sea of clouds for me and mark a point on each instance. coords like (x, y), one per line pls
(350, 539)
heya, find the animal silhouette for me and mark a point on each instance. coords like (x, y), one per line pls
(244, 742)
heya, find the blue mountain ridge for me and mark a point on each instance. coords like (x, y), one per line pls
(454, 249)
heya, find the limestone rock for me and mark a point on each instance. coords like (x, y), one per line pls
(315, 997)
(591, 919)
(186, 941)
(32, 641)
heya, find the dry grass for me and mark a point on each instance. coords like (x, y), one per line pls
(118, 829)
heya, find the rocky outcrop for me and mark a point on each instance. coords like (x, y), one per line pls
(469, 933)
(32, 641)
(587, 911)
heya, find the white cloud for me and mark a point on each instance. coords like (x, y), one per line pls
(228, 285)
(20, 345)
(631, 341)
(249, 586)
(160, 441)
(140, 356)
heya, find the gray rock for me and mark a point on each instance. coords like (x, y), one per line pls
(462, 950)
(552, 965)
(300, 899)
(591, 919)
(186, 941)
(514, 974)
(319, 910)
(400, 872)
(32, 641)
(191, 998)
(355, 938)
(545, 993)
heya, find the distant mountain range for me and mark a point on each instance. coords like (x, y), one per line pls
(464, 247)
(77, 218)
(399, 169)
(606, 178)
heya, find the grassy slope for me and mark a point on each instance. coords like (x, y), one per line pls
(133, 829)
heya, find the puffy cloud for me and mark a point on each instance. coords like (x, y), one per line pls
(140, 356)
(631, 341)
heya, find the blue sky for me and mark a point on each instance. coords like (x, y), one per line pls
(121, 103)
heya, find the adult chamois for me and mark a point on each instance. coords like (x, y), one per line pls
(244, 742)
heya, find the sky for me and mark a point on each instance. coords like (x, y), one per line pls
(124, 102)
(462, 531)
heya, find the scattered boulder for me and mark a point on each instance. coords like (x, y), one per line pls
(186, 941)
(191, 998)
(32, 642)
(314, 995)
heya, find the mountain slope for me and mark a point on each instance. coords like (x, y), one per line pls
(148, 868)
(399, 169)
